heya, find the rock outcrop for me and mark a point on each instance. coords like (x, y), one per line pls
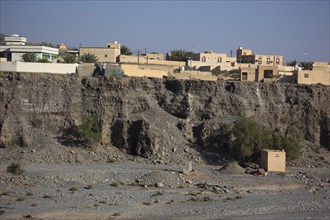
(144, 116)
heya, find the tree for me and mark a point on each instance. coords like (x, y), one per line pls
(90, 129)
(89, 58)
(69, 58)
(247, 138)
(43, 60)
(179, 55)
(292, 63)
(124, 50)
(29, 57)
(47, 44)
(306, 65)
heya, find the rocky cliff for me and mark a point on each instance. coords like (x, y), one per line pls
(145, 116)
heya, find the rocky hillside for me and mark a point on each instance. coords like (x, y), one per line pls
(149, 117)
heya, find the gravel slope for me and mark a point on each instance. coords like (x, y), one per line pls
(113, 190)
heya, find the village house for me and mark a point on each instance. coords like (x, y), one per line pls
(258, 67)
(16, 46)
(106, 54)
(320, 73)
(211, 61)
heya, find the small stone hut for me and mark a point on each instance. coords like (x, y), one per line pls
(273, 160)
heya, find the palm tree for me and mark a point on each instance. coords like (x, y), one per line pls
(89, 58)
(124, 50)
(69, 58)
(306, 65)
(179, 55)
(30, 57)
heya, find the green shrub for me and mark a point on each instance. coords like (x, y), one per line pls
(248, 138)
(73, 189)
(90, 129)
(15, 168)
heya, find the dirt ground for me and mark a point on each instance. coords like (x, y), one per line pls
(138, 189)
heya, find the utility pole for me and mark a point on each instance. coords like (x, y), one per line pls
(138, 57)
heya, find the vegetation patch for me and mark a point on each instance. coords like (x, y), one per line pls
(112, 160)
(232, 198)
(158, 193)
(15, 168)
(4, 194)
(147, 203)
(246, 138)
(47, 197)
(90, 186)
(73, 189)
(204, 199)
(90, 129)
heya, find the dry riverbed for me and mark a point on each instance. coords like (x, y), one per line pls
(131, 190)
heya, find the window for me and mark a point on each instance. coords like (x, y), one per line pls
(306, 75)
(244, 75)
(268, 60)
(219, 59)
(203, 59)
(259, 61)
(268, 74)
(277, 61)
(106, 55)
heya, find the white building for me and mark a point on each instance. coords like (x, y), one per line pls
(16, 46)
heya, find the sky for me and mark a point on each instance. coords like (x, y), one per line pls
(297, 29)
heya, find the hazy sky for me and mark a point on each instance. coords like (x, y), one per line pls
(295, 29)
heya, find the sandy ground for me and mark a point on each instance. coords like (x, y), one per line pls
(121, 190)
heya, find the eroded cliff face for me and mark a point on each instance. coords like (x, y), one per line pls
(142, 116)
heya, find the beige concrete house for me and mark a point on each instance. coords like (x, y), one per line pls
(273, 160)
(319, 74)
(106, 54)
(154, 59)
(209, 60)
(258, 67)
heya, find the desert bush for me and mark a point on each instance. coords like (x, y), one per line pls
(73, 189)
(15, 168)
(4, 194)
(158, 193)
(47, 197)
(90, 186)
(112, 160)
(90, 129)
(247, 138)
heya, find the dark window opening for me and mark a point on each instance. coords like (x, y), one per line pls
(244, 76)
(268, 74)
